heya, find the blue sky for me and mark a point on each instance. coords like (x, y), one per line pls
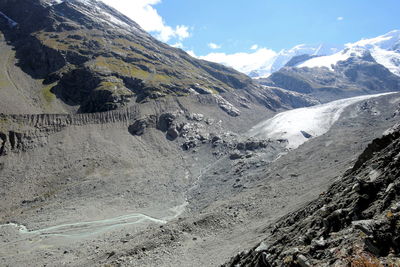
(249, 34)
(278, 24)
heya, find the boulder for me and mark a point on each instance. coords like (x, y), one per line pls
(172, 133)
(165, 121)
(367, 226)
(139, 126)
(303, 261)
(235, 155)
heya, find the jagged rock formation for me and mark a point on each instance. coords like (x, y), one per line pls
(354, 223)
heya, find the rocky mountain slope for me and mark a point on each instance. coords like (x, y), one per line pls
(354, 223)
(91, 58)
(365, 67)
(263, 190)
(180, 167)
(79, 189)
(356, 75)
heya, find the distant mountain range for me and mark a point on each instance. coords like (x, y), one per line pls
(286, 55)
(365, 67)
(385, 50)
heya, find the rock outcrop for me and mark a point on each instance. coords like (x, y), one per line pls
(354, 223)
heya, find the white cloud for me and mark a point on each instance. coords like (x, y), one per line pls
(254, 47)
(214, 46)
(143, 12)
(244, 62)
(340, 18)
(178, 45)
(182, 32)
(191, 53)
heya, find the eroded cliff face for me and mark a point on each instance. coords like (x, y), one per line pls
(19, 133)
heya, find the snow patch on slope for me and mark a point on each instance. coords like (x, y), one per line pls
(330, 61)
(385, 49)
(389, 59)
(300, 125)
(388, 41)
(11, 22)
(286, 55)
(99, 11)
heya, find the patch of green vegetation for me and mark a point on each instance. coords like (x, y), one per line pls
(115, 65)
(115, 87)
(161, 72)
(59, 40)
(126, 43)
(55, 44)
(47, 94)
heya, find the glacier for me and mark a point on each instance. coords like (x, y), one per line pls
(300, 125)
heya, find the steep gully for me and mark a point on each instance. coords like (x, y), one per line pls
(317, 120)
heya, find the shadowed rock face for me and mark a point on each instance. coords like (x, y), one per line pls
(352, 77)
(356, 220)
(100, 59)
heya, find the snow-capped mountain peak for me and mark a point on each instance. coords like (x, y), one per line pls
(285, 55)
(331, 60)
(389, 41)
(385, 49)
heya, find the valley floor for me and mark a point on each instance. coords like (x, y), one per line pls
(102, 196)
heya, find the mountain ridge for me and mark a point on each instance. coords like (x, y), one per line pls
(383, 49)
(92, 61)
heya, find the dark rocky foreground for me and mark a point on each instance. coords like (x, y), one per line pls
(356, 222)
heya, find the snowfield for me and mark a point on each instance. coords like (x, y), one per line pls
(300, 125)
(330, 61)
(387, 58)
(384, 49)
